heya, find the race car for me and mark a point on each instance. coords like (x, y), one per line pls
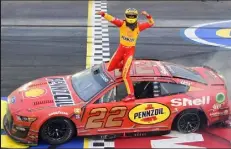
(90, 103)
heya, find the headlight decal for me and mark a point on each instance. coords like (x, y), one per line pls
(26, 119)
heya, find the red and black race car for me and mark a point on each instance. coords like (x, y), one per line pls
(90, 103)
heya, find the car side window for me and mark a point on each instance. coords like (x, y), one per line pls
(143, 89)
(109, 96)
(165, 89)
(114, 95)
(121, 91)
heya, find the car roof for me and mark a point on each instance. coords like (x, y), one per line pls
(158, 68)
(145, 68)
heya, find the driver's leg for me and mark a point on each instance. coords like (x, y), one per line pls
(116, 59)
(126, 73)
(120, 66)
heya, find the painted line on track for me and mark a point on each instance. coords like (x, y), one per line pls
(208, 34)
(89, 35)
(101, 144)
(89, 55)
(97, 34)
(97, 51)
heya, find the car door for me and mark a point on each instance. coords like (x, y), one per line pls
(162, 110)
(108, 114)
(152, 111)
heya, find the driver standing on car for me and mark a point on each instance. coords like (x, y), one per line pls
(129, 32)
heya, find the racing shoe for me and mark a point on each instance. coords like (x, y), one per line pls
(129, 98)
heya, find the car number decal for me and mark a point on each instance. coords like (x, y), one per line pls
(97, 115)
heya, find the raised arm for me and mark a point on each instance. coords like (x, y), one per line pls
(148, 24)
(111, 19)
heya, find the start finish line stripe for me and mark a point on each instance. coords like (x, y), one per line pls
(98, 49)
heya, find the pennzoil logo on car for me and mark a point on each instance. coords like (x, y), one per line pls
(60, 91)
(149, 113)
(34, 92)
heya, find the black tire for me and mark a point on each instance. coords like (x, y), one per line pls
(57, 131)
(188, 122)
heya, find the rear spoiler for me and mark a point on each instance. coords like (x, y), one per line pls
(208, 67)
(151, 59)
(217, 73)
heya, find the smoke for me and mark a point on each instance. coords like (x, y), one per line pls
(221, 61)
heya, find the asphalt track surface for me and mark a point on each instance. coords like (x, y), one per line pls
(49, 38)
(51, 47)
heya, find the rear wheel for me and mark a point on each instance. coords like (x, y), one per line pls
(188, 122)
(57, 131)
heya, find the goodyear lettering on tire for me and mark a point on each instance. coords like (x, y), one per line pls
(149, 113)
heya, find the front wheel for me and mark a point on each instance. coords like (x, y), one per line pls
(188, 122)
(57, 131)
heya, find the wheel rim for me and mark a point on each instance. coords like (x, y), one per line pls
(189, 122)
(57, 129)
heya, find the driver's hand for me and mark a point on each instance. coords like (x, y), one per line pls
(99, 13)
(144, 13)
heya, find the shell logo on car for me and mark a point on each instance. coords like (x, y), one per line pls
(149, 113)
(35, 92)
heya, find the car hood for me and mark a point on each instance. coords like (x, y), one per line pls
(54, 91)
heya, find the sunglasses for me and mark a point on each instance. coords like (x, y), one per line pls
(131, 16)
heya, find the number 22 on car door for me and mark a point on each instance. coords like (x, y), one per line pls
(104, 117)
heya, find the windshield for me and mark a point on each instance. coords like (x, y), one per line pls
(89, 82)
(182, 72)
